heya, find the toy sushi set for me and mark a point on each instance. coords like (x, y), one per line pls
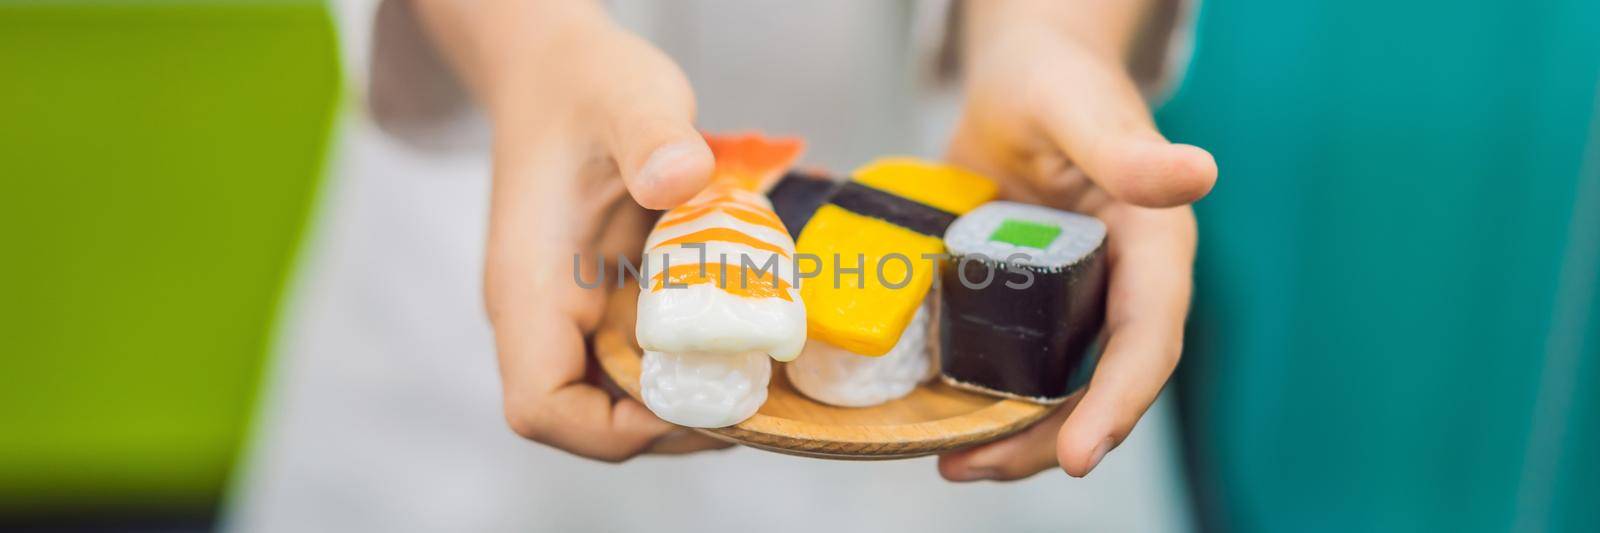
(911, 311)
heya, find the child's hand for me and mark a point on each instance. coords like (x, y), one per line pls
(1052, 111)
(584, 115)
(602, 112)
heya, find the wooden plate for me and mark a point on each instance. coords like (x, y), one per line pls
(935, 418)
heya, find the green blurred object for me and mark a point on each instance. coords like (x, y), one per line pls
(159, 162)
(1395, 324)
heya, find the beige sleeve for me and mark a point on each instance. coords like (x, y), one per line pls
(396, 78)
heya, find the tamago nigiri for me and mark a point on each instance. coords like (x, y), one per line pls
(868, 339)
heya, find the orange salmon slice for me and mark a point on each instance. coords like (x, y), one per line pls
(754, 284)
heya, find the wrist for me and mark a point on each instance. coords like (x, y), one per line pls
(537, 42)
(1105, 29)
(500, 46)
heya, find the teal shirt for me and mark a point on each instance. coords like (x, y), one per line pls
(1395, 324)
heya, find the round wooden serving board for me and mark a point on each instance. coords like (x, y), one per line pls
(935, 418)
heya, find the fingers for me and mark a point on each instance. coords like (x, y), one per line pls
(683, 440)
(1015, 457)
(584, 420)
(541, 315)
(664, 161)
(1093, 112)
(1151, 253)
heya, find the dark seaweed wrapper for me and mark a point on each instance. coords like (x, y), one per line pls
(798, 196)
(1021, 343)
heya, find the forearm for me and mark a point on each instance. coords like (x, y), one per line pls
(496, 44)
(1107, 27)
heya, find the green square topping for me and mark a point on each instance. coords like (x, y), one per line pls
(1025, 233)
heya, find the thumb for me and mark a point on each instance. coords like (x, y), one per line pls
(664, 161)
(1095, 114)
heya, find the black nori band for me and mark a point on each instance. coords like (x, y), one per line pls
(797, 196)
(1026, 343)
(889, 207)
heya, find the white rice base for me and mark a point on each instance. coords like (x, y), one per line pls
(836, 376)
(704, 390)
(1080, 235)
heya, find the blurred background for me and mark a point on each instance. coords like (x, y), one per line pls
(1395, 328)
(159, 161)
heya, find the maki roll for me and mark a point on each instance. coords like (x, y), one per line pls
(836, 376)
(1021, 299)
